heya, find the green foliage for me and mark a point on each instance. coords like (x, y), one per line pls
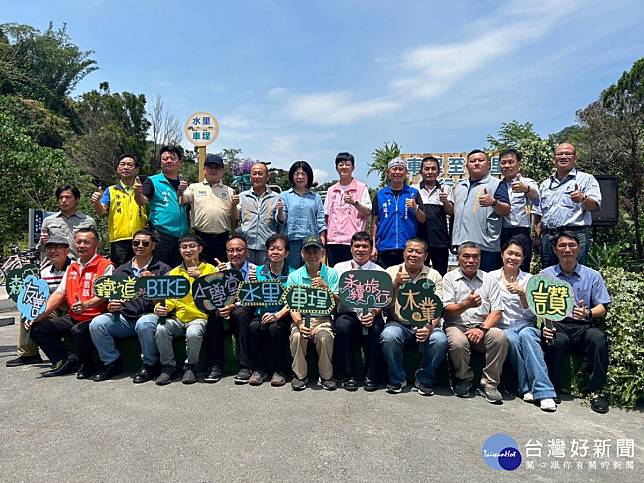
(381, 157)
(624, 327)
(42, 125)
(536, 151)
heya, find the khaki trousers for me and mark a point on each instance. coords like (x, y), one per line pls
(323, 340)
(494, 345)
(26, 346)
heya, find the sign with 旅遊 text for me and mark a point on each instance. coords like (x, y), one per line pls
(261, 293)
(201, 128)
(550, 298)
(365, 289)
(316, 301)
(115, 287)
(16, 278)
(162, 287)
(213, 291)
(417, 303)
(32, 298)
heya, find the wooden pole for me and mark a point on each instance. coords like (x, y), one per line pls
(202, 160)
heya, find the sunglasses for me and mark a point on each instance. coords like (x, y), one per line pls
(143, 243)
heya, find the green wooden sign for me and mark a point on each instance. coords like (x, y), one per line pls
(260, 293)
(213, 291)
(365, 289)
(115, 287)
(316, 301)
(550, 298)
(16, 278)
(417, 303)
(162, 287)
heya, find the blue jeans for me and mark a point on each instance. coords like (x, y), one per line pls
(294, 258)
(524, 352)
(395, 337)
(104, 328)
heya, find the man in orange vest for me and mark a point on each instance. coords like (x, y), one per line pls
(77, 290)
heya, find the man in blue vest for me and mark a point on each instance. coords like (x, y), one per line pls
(167, 215)
(480, 203)
(395, 216)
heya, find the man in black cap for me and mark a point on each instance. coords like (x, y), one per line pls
(214, 211)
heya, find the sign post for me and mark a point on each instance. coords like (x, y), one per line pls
(201, 129)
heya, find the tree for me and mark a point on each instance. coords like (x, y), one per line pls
(380, 159)
(613, 141)
(536, 151)
(164, 127)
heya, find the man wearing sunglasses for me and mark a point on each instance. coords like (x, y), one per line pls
(135, 316)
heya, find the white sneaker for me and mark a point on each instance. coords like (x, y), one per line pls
(548, 404)
(528, 397)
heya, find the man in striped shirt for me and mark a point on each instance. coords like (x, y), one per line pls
(57, 253)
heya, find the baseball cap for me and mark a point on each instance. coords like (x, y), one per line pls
(57, 240)
(214, 159)
(312, 241)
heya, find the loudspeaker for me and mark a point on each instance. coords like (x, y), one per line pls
(608, 214)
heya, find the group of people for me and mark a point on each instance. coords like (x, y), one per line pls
(299, 239)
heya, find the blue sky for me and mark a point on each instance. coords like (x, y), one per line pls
(303, 79)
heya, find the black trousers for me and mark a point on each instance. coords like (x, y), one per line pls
(523, 234)
(439, 256)
(214, 246)
(121, 252)
(240, 320)
(48, 335)
(389, 258)
(490, 261)
(271, 338)
(581, 339)
(338, 253)
(168, 250)
(348, 333)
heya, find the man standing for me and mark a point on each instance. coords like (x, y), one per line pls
(348, 324)
(68, 220)
(77, 290)
(395, 215)
(347, 208)
(472, 309)
(57, 253)
(398, 333)
(523, 192)
(126, 217)
(258, 214)
(437, 204)
(578, 332)
(135, 315)
(480, 203)
(313, 273)
(241, 317)
(214, 209)
(566, 201)
(166, 214)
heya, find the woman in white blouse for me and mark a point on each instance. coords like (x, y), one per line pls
(518, 323)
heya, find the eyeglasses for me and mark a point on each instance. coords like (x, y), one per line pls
(570, 245)
(235, 250)
(142, 243)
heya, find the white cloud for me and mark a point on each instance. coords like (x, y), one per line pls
(322, 175)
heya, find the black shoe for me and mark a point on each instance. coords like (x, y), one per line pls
(86, 371)
(370, 385)
(463, 388)
(299, 384)
(599, 403)
(350, 384)
(167, 373)
(396, 388)
(423, 389)
(328, 384)
(557, 399)
(109, 371)
(214, 375)
(189, 374)
(62, 368)
(243, 376)
(145, 374)
(23, 361)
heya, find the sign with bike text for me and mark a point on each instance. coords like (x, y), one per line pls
(162, 287)
(16, 278)
(262, 293)
(365, 289)
(32, 298)
(316, 301)
(213, 291)
(550, 298)
(416, 302)
(115, 287)
(201, 128)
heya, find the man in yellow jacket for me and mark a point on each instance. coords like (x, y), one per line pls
(185, 318)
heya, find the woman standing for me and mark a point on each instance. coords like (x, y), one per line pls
(303, 212)
(518, 323)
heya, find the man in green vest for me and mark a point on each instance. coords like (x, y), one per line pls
(126, 217)
(167, 215)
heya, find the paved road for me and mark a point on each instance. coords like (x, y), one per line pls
(68, 430)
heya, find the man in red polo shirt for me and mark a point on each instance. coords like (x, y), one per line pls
(77, 289)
